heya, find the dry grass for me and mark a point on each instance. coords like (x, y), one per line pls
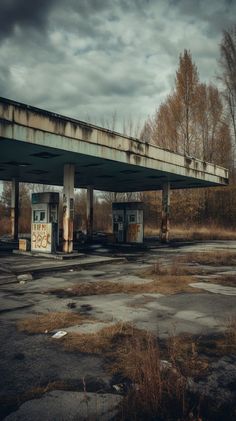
(230, 333)
(185, 266)
(161, 391)
(212, 232)
(165, 284)
(107, 340)
(50, 321)
(195, 232)
(216, 258)
(159, 388)
(174, 268)
(227, 280)
(157, 373)
(122, 342)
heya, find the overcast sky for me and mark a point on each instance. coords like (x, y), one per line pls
(91, 58)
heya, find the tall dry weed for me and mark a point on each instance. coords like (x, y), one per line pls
(159, 387)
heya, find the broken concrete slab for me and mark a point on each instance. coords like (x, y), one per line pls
(130, 279)
(89, 327)
(57, 255)
(40, 265)
(11, 303)
(7, 279)
(63, 405)
(214, 288)
(195, 316)
(31, 360)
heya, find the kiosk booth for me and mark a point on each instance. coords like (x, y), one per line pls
(45, 226)
(127, 222)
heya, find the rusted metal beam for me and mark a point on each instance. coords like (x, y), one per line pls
(68, 208)
(165, 213)
(89, 212)
(14, 208)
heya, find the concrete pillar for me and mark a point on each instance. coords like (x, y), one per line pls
(164, 234)
(68, 207)
(14, 208)
(90, 212)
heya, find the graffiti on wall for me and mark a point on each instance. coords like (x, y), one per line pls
(41, 237)
(133, 233)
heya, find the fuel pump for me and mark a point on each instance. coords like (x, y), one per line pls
(45, 224)
(127, 219)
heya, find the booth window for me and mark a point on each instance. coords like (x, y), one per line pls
(39, 216)
(132, 218)
(35, 217)
(42, 216)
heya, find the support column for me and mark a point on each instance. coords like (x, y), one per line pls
(14, 208)
(90, 212)
(164, 234)
(68, 207)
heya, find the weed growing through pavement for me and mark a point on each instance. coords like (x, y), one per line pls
(230, 333)
(48, 322)
(158, 376)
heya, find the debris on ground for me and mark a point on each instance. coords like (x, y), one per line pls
(59, 334)
(26, 277)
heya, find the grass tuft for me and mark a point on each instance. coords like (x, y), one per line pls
(217, 258)
(50, 321)
(196, 232)
(230, 333)
(105, 341)
(163, 284)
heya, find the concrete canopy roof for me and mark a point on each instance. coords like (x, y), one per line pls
(35, 144)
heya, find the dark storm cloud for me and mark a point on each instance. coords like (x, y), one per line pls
(217, 15)
(22, 14)
(93, 57)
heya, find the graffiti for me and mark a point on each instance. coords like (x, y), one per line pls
(41, 237)
(133, 232)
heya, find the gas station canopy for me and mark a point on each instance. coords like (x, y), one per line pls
(36, 144)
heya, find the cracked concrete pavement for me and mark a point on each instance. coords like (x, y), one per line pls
(32, 360)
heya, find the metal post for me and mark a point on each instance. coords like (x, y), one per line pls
(90, 212)
(14, 208)
(164, 234)
(68, 207)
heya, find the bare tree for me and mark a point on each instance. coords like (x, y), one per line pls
(174, 125)
(212, 126)
(192, 120)
(228, 77)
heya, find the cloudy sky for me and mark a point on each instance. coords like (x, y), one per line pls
(92, 58)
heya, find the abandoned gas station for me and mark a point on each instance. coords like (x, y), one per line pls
(41, 147)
